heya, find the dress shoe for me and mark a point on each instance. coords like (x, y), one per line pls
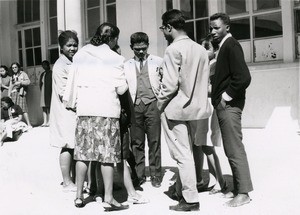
(184, 206)
(155, 181)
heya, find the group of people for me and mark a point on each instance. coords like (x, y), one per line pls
(14, 87)
(103, 108)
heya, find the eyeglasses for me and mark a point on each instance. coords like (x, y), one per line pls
(162, 27)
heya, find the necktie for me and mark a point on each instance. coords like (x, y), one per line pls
(141, 64)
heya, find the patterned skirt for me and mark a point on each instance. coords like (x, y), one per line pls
(20, 100)
(97, 139)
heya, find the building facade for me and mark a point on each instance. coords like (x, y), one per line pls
(268, 30)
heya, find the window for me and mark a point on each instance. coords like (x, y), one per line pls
(29, 35)
(28, 11)
(196, 13)
(30, 47)
(297, 27)
(258, 30)
(53, 51)
(97, 12)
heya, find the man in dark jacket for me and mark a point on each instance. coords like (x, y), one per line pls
(229, 85)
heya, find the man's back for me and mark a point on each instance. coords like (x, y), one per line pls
(186, 74)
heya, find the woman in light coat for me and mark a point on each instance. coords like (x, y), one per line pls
(63, 121)
(93, 90)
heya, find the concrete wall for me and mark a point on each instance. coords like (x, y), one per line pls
(272, 88)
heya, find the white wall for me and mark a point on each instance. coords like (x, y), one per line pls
(273, 87)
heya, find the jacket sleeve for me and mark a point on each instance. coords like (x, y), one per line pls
(170, 77)
(240, 75)
(25, 80)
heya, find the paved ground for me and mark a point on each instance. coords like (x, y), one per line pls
(30, 178)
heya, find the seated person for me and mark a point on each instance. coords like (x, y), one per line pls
(11, 120)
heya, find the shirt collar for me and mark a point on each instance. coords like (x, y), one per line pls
(181, 37)
(223, 40)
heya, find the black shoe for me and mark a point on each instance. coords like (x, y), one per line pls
(184, 206)
(155, 181)
(112, 207)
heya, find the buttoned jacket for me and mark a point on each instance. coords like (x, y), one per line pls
(154, 63)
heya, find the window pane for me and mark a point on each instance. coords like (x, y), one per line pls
(36, 10)
(236, 6)
(53, 31)
(189, 28)
(297, 2)
(28, 38)
(110, 1)
(201, 8)
(240, 29)
(111, 14)
(93, 21)
(269, 4)
(20, 39)
(29, 57)
(268, 49)
(52, 8)
(53, 54)
(297, 23)
(268, 25)
(202, 29)
(186, 7)
(36, 37)
(20, 11)
(28, 11)
(93, 3)
(38, 56)
(169, 4)
(20, 57)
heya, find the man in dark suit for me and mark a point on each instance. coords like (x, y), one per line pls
(229, 85)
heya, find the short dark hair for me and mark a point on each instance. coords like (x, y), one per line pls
(64, 37)
(8, 100)
(46, 63)
(223, 16)
(105, 32)
(4, 67)
(175, 18)
(139, 37)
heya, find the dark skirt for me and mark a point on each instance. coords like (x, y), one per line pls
(97, 139)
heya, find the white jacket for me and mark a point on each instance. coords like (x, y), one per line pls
(96, 78)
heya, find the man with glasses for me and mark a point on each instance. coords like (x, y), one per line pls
(143, 80)
(183, 101)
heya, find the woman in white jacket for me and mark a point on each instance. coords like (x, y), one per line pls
(93, 90)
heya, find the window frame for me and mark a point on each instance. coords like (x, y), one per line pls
(103, 15)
